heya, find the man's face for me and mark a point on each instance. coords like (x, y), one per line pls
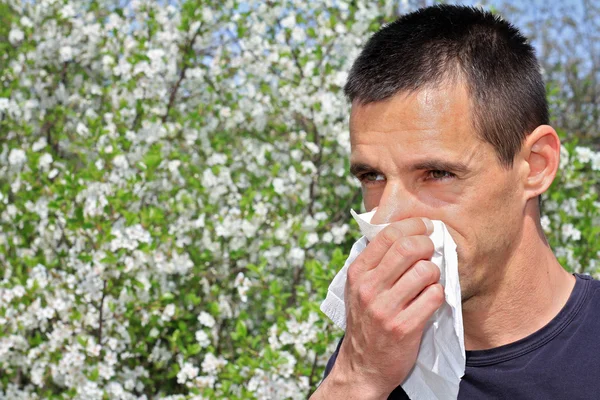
(417, 155)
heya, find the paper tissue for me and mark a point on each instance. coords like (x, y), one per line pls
(441, 360)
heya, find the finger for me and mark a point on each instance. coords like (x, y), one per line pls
(405, 252)
(416, 314)
(404, 290)
(382, 242)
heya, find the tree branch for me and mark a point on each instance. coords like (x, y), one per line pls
(310, 378)
(101, 313)
(184, 69)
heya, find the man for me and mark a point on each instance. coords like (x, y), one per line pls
(449, 121)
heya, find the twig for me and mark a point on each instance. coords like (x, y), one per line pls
(310, 378)
(343, 211)
(309, 126)
(294, 54)
(101, 310)
(184, 69)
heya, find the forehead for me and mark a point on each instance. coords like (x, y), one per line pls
(432, 117)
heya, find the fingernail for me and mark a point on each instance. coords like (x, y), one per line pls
(429, 225)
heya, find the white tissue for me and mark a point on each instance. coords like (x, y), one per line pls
(441, 360)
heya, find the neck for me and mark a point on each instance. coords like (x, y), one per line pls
(532, 290)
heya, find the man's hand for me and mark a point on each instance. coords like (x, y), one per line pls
(391, 291)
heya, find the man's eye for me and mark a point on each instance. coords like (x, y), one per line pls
(439, 175)
(371, 177)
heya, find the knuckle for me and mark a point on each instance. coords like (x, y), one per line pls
(355, 271)
(365, 295)
(389, 235)
(352, 276)
(389, 326)
(402, 328)
(404, 247)
(426, 244)
(379, 317)
(436, 294)
(427, 271)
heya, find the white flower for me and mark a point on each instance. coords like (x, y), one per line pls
(340, 78)
(224, 307)
(249, 229)
(216, 159)
(66, 53)
(15, 36)
(173, 166)
(67, 11)
(211, 364)
(45, 161)
(26, 22)
(570, 232)
(188, 371)
(168, 312)
(205, 381)
(206, 319)
(17, 157)
(296, 154)
(194, 26)
(321, 216)
(289, 21)
(82, 130)
(94, 349)
(296, 256)
(242, 283)
(279, 186)
(298, 34)
(225, 112)
(311, 239)
(207, 14)
(202, 338)
(564, 157)
(596, 161)
(312, 147)
(39, 144)
(584, 154)
(37, 374)
(339, 232)
(209, 179)
(52, 173)
(120, 161)
(545, 221)
(129, 237)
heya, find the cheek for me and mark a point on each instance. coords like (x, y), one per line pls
(484, 229)
(372, 196)
(434, 199)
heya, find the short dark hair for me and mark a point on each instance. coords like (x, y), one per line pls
(432, 45)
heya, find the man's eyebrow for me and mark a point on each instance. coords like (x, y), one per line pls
(440, 165)
(359, 168)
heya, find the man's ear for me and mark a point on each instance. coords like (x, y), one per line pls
(541, 152)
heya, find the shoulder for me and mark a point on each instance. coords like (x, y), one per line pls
(586, 295)
(589, 281)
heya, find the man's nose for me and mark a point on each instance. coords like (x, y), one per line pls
(396, 203)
